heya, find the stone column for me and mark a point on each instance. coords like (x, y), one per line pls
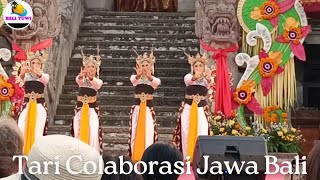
(100, 4)
(58, 19)
(217, 26)
(186, 5)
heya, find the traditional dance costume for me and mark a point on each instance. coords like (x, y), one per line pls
(193, 116)
(143, 127)
(86, 124)
(33, 119)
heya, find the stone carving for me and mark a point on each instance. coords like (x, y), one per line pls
(46, 22)
(58, 19)
(216, 22)
(71, 14)
(217, 26)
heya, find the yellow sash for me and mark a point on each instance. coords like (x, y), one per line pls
(139, 142)
(30, 126)
(84, 123)
(193, 129)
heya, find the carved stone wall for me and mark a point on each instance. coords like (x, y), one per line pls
(58, 19)
(45, 24)
(217, 26)
(186, 5)
(100, 4)
(71, 13)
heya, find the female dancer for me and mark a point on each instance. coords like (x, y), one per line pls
(193, 117)
(33, 120)
(86, 123)
(143, 132)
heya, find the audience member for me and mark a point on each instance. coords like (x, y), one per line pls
(69, 152)
(313, 163)
(108, 158)
(11, 144)
(161, 152)
(132, 175)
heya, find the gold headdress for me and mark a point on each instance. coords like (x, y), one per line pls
(42, 55)
(145, 57)
(31, 52)
(94, 59)
(198, 58)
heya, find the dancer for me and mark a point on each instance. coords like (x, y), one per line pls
(86, 125)
(33, 120)
(193, 117)
(143, 131)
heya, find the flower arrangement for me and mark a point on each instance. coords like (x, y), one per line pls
(274, 114)
(11, 96)
(223, 126)
(6, 90)
(281, 138)
(279, 135)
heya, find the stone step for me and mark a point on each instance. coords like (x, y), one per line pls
(142, 36)
(134, 21)
(123, 136)
(121, 62)
(171, 53)
(106, 129)
(125, 80)
(105, 91)
(138, 37)
(67, 109)
(136, 28)
(155, 15)
(107, 30)
(118, 90)
(156, 52)
(124, 100)
(127, 71)
(116, 150)
(110, 120)
(115, 139)
(130, 45)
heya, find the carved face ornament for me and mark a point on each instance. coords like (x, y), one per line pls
(223, 23)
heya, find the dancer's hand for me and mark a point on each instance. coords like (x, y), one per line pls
(208, 74)
(25, 69)
(197, 74)
(138, 70)
(91, 74)
(83, 72)
(37, 72)
(149, 74)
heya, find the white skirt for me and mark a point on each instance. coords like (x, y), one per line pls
(185, 122)
(94, 128)
(40, 122)
(149, 131)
